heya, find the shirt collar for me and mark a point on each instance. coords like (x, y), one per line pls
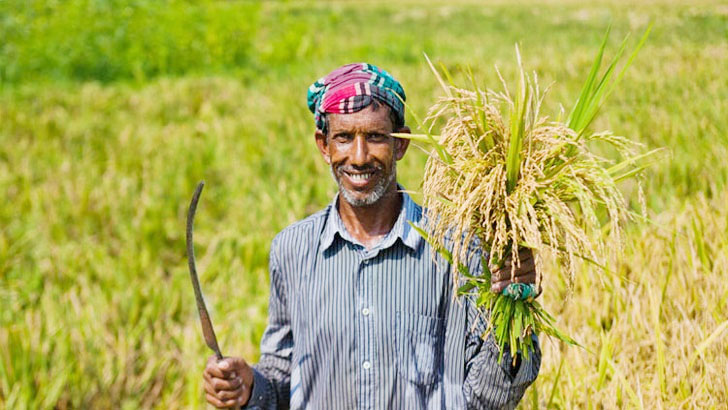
(409, 212)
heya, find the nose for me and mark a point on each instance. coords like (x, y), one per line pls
(360, 154)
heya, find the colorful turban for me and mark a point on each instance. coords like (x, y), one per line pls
(351, 88)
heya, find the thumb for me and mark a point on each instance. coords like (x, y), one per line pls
(232, 363)
(225, 364)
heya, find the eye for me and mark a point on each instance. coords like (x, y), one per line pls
(376, 137)
(342, 137)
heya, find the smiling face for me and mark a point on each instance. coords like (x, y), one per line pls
(361, 153)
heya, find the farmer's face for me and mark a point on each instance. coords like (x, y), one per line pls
(361, 153)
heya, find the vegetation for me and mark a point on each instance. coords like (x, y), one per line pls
(506, 174)
(97, 166)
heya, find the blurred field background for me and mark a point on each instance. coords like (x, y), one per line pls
(111, 111)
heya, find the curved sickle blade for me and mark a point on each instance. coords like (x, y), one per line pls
(207, 330)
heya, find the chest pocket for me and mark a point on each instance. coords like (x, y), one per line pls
(419, 342)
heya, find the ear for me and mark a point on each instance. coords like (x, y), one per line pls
(401, 144)
(323, 145)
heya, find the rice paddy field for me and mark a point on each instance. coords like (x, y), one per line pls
(112, 111)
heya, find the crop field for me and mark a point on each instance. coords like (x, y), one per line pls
(112, 111)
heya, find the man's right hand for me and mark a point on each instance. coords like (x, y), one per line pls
(228, 383)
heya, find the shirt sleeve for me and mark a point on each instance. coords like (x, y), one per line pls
(489, 384)
(272, 374)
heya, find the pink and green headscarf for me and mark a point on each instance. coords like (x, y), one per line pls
(351, 88)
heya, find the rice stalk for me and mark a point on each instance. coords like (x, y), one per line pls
(506, 177)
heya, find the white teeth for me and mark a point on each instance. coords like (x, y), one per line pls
(360, 177)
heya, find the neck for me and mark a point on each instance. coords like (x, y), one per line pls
(369, 224)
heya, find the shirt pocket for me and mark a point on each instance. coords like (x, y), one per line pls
(419, 342)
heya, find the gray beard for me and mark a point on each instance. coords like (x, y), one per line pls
(377, 193)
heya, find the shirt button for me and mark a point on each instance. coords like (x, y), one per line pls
(365, 312)
(366, 365)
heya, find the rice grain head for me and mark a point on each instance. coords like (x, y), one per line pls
(554, 204)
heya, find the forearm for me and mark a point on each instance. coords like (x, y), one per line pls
(272, 374)
(492, 385)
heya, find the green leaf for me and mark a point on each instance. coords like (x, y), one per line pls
(446, 254)
(447, 74)
(467, 287)
(593, 93)
(486, 143)
(518, 119)
(707, 342)
(430, 139)
(555, 383)
(599, 93)
(422, 138)
(442, 251)
(614, 169)
(575, 116)
(439, 78)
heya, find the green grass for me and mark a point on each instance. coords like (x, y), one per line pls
(107, 125)
(123, 39)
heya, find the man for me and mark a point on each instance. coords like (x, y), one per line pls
(360, 314)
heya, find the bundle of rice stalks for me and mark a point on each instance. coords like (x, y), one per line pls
(503, 175)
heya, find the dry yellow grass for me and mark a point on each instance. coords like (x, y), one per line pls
(656, 339)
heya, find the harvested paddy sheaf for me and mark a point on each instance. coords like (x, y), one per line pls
(509, 177)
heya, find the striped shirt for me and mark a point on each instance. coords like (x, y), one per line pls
(357, 328)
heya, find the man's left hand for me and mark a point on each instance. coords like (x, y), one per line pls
(525, 273)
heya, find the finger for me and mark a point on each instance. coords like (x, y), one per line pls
(525, 257)
(207, 377)
(527, 278)
(233, 366)
(227, 367)
(209, 389)
(225, 364)
(236, 394)
(520, 277)
(501, 275)
(226, 384)
(497, 287)
(527, 267)
(220, 370)
(220, 404)
(213, 370)
(232, 403)
(527, 264)
(496, 268)
(505, 280)
(530, 278)
(525, 254)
